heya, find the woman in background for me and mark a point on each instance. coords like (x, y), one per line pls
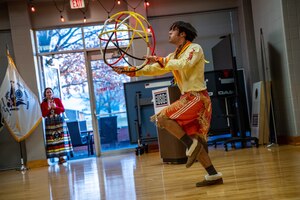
(58, 143)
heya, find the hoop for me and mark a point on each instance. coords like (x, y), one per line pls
(137, 30)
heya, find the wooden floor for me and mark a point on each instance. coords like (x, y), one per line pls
(251, 173)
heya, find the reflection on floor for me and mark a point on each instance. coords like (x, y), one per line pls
(219, 139)
(249, 173)
(82, 151)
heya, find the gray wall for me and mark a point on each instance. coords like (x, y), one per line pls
(291, 21)
(280, 26)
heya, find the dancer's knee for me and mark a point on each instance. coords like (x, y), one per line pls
(161, 121)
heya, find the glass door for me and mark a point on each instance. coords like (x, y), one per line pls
(93, 97)
(66, 74)
(109, 106)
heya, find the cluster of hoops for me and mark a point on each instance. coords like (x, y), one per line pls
(141, 29)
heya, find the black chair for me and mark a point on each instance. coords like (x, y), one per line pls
(82, 125)
(108, 129)
(88, 134)
(77, 138)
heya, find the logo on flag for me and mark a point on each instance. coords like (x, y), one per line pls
(15, 98)
(20, 108)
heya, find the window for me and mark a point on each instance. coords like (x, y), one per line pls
(56, 40)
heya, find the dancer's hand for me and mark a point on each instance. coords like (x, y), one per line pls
(155, 59)
(151, 59)
(129, 71)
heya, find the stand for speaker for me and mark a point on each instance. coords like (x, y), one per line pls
(171, 149)
(243, 138)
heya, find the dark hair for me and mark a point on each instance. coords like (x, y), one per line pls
(48, 88)
(187, 28)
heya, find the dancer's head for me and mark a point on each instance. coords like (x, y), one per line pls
(185, 27)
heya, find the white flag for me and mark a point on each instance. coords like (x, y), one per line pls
(20, 107)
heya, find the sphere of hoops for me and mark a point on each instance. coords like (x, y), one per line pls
(139, 28)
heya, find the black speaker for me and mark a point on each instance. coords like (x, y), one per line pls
(220, 85)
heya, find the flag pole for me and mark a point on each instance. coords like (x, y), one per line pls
(7, 50)
(1, 122)
(23, 167)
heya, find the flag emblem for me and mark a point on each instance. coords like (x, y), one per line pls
(14, 98)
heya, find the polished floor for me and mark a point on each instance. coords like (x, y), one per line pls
(250, 173)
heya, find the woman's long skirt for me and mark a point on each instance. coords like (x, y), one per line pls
(58, 142)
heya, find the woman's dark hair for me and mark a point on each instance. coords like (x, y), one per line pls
(48, 88)
(187, 28)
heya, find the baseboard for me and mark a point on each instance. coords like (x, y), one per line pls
(37, 163)
(292, 140)
(153, 147)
